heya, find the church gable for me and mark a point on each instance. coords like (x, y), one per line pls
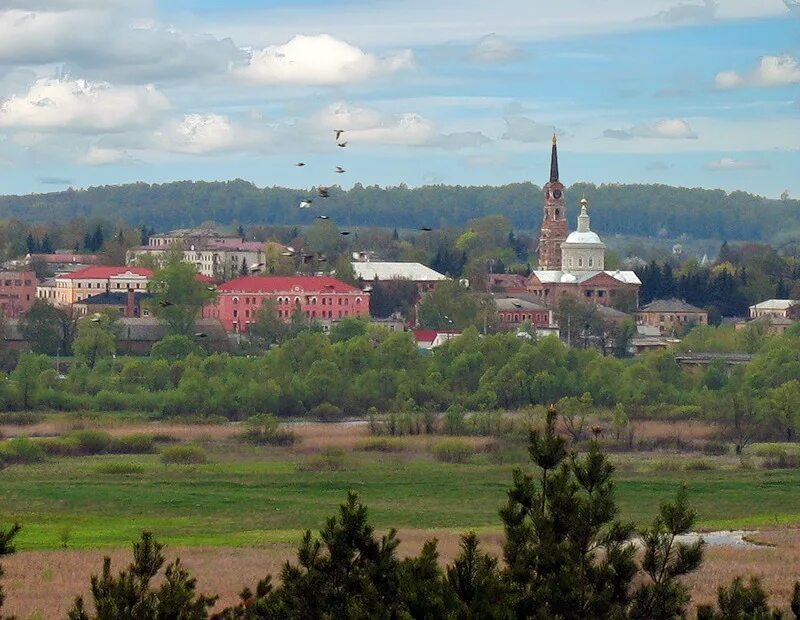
(602, 279)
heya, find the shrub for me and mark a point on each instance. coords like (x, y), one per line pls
(108, 400)
(60, 446)
(780, 459)
(22, 450)
(186, 454)
(453, 451)
(21, 418)
(326, 413)
(138, 443)
(770, 450)
(120, 469)
(383, 444)
(715, 448)
(329, 459)
(699, 465)
(91, 441)
(454, 420)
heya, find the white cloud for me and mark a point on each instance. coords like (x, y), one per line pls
(370, 125)
(729, 163)
(523, 129)
(771, 71)
(670, 129)
(317, 60)
(459, 140)
(81, 106)
(494, 48)
(204, 134)
(102, 156)
(689, 12)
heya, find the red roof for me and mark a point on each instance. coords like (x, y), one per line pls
(429, 335)
(102, 273)
(201, 277)
(85, 259)
(286, 284)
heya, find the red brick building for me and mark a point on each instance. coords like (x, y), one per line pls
(17, 292)
(554, 223)
(320, 298)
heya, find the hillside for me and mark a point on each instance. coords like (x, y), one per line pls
(638, 210)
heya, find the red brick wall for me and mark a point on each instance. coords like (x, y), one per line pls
(17, 292)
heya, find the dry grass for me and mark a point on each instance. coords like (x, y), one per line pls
(687, 430)
(44, 583)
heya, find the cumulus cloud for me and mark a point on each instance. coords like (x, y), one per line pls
(770, 71)
(317, 60)
(688, 12)
(204, 134)
(729, 163)
(102, 156)
(670, 128)
(81, 106)
(523, 129)
(369, 125)
(494, 48)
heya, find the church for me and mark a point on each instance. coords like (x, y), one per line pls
(573, 263)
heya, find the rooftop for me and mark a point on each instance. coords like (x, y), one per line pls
(114, 298)
(385, 270)
(775, 304)
(670, 305)
(103, 273)
(514, 303)
(556, 276)
(287, 284)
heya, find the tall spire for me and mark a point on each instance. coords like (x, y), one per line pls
(554, 162)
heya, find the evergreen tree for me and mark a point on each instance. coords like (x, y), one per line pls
(7, 548)
(46, 247)
(30, 243)
(243, 270)
(97, 239)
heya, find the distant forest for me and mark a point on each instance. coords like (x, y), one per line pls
(636, 210)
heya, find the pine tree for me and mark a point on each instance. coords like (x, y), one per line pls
(46, 247)
(30, 243)
(243, 271)
(7, 548)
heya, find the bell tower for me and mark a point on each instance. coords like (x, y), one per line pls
(554, 223)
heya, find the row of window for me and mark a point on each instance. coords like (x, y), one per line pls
(16, 282)
(580, 262)
(312, 301)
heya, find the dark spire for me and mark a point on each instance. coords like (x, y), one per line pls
(554, 162)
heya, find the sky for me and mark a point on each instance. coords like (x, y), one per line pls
(694, 93)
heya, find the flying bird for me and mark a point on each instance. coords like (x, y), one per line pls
(300, 164)
(96, 318)
(201, 335)
(256, 266)
(426, 229)
(341, 145)
(165, 303)
(367, 289)
(322, 217)
(306, 204)
(211, 288)
(287, 253)
(338, 133)
(345, 232)
(339, 170)
(516, 304)
(323, 191)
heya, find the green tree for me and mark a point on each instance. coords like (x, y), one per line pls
(268, 328)
(453, 306)
(344, 270)
(178, 297)
(348, 328)
(174, 348)
(95, 340)
(26, 377)
(40, 326)
(7, 548)
(130, 595)
(739, 601)
(782, 406)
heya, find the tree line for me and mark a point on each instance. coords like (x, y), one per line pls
(640, 210)
(566, 555)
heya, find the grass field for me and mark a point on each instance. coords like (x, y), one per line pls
(259, 495)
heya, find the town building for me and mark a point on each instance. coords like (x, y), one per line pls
(214, 255)
(137, 335)
(78, 285)
(320, 298)
(424, 277)
(128, 304)
(513, 312)
(62, 261)
(776, 308)
(570, 263)
(671, 316)
(17, 292)
(428, 339)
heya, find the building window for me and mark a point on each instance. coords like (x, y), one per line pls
(358, 301)
(235, 314)
(235, 300)
(580, 261)
(591, 262)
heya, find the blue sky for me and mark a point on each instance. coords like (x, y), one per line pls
(697, 93)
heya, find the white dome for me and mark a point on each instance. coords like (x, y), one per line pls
(568, 278)
(583, 237)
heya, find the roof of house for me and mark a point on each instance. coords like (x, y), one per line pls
(287, 284)
(510, 304)
(113, 298)
(507, 280)
(775, 304)
(65, 257)
(384, 270)
(670, 305)
(578, 277)
(104, 272)
(429, 335)
(234, 243)
(150, 329)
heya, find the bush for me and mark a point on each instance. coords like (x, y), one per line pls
(715, 448)
(454, 420)
(781, 460)
(138, 443)
(329, 459)
(60, 446)
(186, 454)
(699, 465)
(22, 450)
(21, 418)
(120, 469)
(327, 413)
(91, 441)
(453, 451)
(108, 400)
(383, 444)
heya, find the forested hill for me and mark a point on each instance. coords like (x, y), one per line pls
(642, 210)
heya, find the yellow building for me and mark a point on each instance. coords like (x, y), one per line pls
(78, 285)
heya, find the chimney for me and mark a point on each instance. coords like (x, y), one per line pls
(130, 303)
